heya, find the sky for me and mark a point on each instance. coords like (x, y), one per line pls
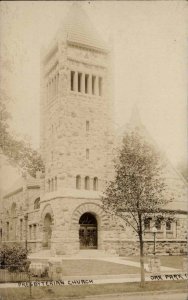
(150, 63)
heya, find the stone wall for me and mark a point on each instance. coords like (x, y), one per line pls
(128, 248)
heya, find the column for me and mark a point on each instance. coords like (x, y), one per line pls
(97, 86)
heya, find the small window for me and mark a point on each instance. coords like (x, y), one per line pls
(168, 225)
(55, 183)
(21, 229)
(37, 203)
(72, 80)
(147, 223)
(52, 185)
(52, 155)
(48, 185)
(78, 182)
(87, 153)
(87, 125)
(95, 184)
(93, 85)
(86, 83)
(79, 82)
(30, 232)
(7, 233)
(87, 183)
(34, 231)
(158, 224)
(100, 86)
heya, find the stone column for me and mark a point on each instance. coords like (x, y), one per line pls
(97, 86)
(164, 230)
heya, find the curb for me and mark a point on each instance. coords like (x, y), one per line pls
(119, 294)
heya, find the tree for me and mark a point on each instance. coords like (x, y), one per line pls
(18, 152)
(138, 190)
(13, 257)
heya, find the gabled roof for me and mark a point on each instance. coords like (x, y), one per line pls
(79, 30)
(22, 182)
(173, 177)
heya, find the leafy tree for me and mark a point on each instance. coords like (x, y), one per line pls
(13, 258)
(138, 190)
(18, 152)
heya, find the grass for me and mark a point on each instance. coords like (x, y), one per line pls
(95, 267)
(175, 262)
(82, 291)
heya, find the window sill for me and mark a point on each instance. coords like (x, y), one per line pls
(85, 94)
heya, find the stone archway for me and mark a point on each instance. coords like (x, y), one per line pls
(88, 231)
(47, 223)
(99, 221)
(47, 231)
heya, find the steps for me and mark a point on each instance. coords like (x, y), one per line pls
(82, 254)
(93, 253)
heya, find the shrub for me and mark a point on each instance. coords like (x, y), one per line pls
(13, 258)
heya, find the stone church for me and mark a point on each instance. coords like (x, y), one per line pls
(60, 211)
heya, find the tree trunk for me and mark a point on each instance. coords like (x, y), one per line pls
(140, 233)
(142, 271)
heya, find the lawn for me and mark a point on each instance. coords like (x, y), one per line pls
(166, 261)
(95, 267)
(82, 291)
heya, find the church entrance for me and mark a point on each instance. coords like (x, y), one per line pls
(47, 231)
(88, 231)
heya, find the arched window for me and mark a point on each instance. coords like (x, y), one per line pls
(147, 223)
(87, 183)
(52, 185)
(158, 224)
(48, 185)
(37, 203)
(95, 184)
(169, 224)
(78, 182)
(13, 210)
(55, 183)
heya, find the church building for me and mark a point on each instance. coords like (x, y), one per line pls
(60, 211)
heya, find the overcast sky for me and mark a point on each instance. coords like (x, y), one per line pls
(149, 40)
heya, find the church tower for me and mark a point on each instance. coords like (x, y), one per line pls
(76, 106)
(76, 134)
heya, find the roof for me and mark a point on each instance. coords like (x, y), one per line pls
(78, 29)
(22, 182)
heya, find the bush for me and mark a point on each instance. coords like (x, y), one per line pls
(13, 258)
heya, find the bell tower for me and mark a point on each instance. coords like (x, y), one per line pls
(76, 106)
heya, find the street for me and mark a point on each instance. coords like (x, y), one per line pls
(165, 296)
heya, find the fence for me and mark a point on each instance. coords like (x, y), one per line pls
(6, 275)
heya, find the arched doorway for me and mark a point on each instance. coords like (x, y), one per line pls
(47, 231)
(88, 231)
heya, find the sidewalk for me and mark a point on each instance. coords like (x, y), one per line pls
(122, 261)
(104, 279)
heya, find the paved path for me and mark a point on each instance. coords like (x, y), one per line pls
(113, 259)
(127, 262)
